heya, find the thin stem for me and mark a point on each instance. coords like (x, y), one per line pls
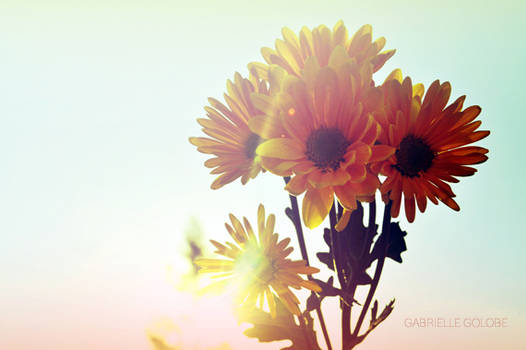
(347, 314)
(304, 329)
(346, 325)
(386, 223)
(303, 248)
(299, 228)
(323, 328)
(372, 221)
(335, 247)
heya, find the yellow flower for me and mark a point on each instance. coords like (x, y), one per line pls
(292, 52)
(232, 142)
(429, 139)
(320, 130)
(258, 267)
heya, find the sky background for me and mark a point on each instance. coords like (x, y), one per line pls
(98, 181)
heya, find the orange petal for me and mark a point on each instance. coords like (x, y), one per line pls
(297, 185)
(344, 220)
(381, 152)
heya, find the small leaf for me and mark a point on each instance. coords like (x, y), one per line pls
(363, 279)
(282, 327)
(313, 302)
(326, 258)
(330, 281)
(374, 310)
(396, 243)
(289, 213)
(385, 313)
(327, 236)
(327, 290)
(267, 333)
(356, 240)
(159, 343)
(395, 246)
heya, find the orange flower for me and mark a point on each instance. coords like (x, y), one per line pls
(429, 140)
(258, 267)
(232, 142)
(320, 130)
(292, 52)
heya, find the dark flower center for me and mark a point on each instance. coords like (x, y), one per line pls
(413, 156)
(251, 143)
(326, 148)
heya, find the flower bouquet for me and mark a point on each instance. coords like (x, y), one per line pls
(314, 114)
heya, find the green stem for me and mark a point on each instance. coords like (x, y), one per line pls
(346, 325)
(335, 248)
(303, 248)
(347, 311)
(386, 223)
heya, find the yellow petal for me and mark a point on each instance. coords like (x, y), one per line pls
(338, 57)
(271, 302)
(214, 265)
(395, 75)
(265, 126)
(316, 206)
(258, 69)
(261, 221)
(418, 90)
(281, 148)
(311, 285)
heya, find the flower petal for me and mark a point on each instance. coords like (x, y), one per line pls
(316, 206)
(281, 148)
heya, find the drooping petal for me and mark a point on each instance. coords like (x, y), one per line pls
(316, 206)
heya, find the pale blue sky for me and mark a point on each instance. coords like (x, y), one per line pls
(98, 179)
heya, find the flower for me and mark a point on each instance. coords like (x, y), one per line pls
(232, 142)
(320, 130)
(292, 52)
(258, 267)
(430, 141)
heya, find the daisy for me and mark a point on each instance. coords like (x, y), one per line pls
(431, 144)
(230, 140)
(257, 266)
(320, 130)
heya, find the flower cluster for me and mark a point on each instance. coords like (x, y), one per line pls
(313, 113)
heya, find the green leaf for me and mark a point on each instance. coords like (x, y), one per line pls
(327, 288)
(326, 258)
(353, 243)
(395, 246)
(282, 327)
(159, 344)
(396, 243)
(374, 310)
(363, 279)
(385, 313)
(312, 302)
